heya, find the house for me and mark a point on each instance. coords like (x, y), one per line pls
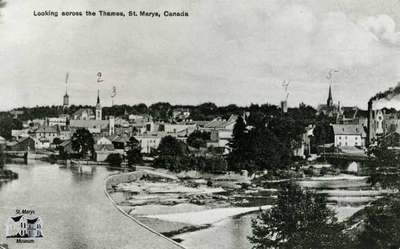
(120, 142)
(83, 114)
(103, 148)
(65, 148)
(349, 135)
(95, 126)
(178, 128)
(150, 141)
(302, 148)
(22, 144)
(44, 136)
(60, 121)
(34, 227)
(16, 227)
(102, 151)
(20, 133)
(221, 132)
(180, 114)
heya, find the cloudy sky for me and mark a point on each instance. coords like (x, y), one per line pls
(225, 51)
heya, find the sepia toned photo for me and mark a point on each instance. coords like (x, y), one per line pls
(149, 124)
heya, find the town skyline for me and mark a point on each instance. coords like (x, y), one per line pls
(210, 58)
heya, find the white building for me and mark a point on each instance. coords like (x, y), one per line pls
(349, 135)
(150, 141)
(61, 121)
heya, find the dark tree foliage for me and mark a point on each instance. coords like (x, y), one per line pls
(134, 154)
(323, 131)
(172, 155)
(287, 129)
(114, 159)
(381, 228)
(268, 152)
(161, 111)
(7, 123)
(300, 219)
(268, 144)
(205, 111)
(82, 142)
(170, 146)
(198, 139)
(121, 110)
(57, 141)
(384, 164)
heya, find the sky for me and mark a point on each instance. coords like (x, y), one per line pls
(226, 51)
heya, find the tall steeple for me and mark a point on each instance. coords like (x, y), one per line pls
(98, 107)
(66, 97)
(98, 97)
(329, 102)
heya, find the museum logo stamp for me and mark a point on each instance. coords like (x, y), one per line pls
(24, 226)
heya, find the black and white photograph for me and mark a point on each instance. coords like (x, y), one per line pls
(204, 124)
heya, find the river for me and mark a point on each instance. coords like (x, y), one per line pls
(77, 214)
(75, 211)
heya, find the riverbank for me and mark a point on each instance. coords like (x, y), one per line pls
(172, 206)
(7, 175)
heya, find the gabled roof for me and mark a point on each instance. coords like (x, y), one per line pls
(82, 110)
(219, 123)
(46, 129)
(105, 147)
(32, 221)
(16, 218)
(348, 129)
(65, 143)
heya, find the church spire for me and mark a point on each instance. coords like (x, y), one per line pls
(329, 102)
(98, 107)
(98, 96)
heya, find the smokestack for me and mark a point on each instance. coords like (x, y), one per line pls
(284, 106)
(370, 124)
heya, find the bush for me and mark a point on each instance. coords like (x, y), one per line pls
(114, 159)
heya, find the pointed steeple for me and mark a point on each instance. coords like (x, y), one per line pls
(329, 102)
(98, 96)
(98, 107)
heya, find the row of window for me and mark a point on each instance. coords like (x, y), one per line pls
(345, 137)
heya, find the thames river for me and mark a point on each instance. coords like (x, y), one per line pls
(75, 211)
(77, 214)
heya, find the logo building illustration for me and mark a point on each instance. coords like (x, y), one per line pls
(22, 227)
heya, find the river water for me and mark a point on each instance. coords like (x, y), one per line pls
(75, 211)
(77, 215)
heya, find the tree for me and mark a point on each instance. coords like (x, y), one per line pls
(170, 146)
(172, 155)
(383, 165)
(82, 142)
(161, 111)
(300, 219)
(134, 154)
(381, 227)
(57, 141)
(198, 139)
(7, 123)
(114, 159)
